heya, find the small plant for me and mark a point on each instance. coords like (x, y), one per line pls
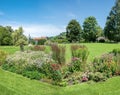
(116, 51)
(3, 56)
(58, 53)
(99, 77)
(79, 57)
(76, 65)
(104, 64)
(56, 74)
(39, 48)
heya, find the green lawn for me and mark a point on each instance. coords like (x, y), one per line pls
(9, 49)
(95, 49)
(13, 84)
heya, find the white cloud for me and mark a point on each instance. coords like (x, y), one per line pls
(40, 30)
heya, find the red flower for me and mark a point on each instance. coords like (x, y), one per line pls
(55, 66)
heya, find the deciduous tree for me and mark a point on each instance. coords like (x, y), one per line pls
(112, 28)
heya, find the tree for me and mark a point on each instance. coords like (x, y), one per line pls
(112, 27)
(73, 31)
(90, 29)
(5, 36)
(19, 38)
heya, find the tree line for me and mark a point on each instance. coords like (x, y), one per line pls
(91, 30)
(9, 36)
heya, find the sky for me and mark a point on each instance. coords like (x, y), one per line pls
(50, 17)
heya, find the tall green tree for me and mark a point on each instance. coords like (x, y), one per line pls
(73, 31)
(5, 36)
(112, 28)
(19, 38)
(90, 27)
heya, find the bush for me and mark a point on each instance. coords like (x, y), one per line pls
(56, 74)
(79, 58)
(30, 64)
(104, 64)
(58, 53)
(116, 51)
(108, 63)
(39, 48)
(79, 51)
(76, 65)
(34, 65)
(33, 74)
(97, 76)
(3, 56)
(41, 41)
(46, 69)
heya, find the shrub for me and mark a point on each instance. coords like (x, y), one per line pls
(3, 56)
(39, 48)
(108, 63)
(80, 52)
(30, 64)
(105, 63)
(116, 51)
(58, 53)
(46, 69)
(33, 74)
(56, 74)
(48, 42)
(79, 58)
(76, 65)
(41, 41)
(97, 76)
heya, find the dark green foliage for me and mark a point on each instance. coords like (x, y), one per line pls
(116, 51)
(5, 35)
(56, 76)
(41, 41)
(73, 31)
(61, 38)
(58, 53)
(112, 28)
(76, 65)
(46, 69)
(33, 74)
(90, 29)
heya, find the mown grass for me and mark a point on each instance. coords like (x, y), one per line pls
(95, 49)
(9, 49)
(13, 84)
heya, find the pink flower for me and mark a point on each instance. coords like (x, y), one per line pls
(84, 79)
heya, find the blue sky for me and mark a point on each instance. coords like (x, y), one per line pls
(50, 17)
